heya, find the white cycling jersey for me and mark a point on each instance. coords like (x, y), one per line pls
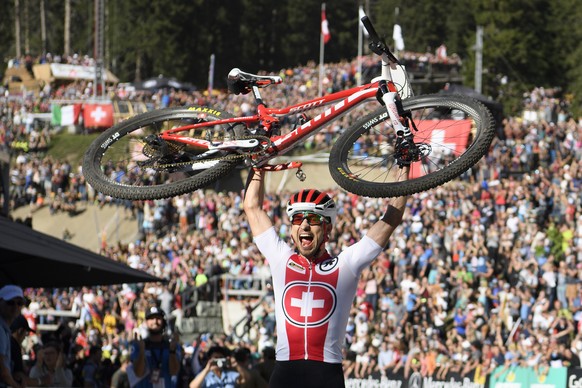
(313, 300)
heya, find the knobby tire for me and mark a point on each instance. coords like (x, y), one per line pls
(115, 147)
(363, 164)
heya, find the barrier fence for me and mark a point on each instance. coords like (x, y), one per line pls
(512, 377)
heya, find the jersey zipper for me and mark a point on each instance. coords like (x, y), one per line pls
(308, 307)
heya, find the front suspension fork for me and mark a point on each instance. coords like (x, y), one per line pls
(406, 149)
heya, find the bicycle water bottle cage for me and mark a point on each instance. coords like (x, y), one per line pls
(240, 82)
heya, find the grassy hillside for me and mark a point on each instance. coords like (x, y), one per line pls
(71, 147)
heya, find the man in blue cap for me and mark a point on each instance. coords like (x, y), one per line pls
(11, 302)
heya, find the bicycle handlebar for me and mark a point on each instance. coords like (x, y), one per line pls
(377, 44)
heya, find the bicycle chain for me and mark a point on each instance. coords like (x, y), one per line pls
(178, 148)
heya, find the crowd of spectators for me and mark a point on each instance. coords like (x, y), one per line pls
(483, 272)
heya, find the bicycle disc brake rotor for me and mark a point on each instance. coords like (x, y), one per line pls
(407, 153)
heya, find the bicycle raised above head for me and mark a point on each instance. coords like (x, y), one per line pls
(174, 151)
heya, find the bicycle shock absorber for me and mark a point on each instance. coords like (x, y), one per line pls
(407, 151)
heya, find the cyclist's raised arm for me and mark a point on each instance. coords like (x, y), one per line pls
(383, 229)
(257, 217)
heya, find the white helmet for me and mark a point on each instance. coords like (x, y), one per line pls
(314, 201)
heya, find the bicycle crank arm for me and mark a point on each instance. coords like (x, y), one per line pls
(281, 166)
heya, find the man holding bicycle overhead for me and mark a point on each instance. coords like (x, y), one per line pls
(313, 290)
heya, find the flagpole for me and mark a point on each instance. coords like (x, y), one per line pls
(360, 38)
(211, 75)
(321, 47)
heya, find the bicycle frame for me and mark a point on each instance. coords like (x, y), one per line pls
(179, 150)
(341, 103)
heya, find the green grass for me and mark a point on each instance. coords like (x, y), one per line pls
(70, 147)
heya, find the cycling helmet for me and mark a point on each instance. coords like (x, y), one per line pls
(311, 200)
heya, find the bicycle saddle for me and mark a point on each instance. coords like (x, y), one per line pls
(240, 82)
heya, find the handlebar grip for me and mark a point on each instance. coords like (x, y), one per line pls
(377, 45)
(370, 28)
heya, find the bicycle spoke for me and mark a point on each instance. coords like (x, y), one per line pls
(453, 133)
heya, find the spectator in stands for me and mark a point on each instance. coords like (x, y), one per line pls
(50, 368)
(250, 377)
(217, 372)
(120, 378)
(20, 330)
(267, 363)
(92, 370)
(156, 358)
(11, 303)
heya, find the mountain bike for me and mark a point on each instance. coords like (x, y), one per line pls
(173, 151)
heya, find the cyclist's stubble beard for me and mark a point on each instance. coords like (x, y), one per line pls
(317, 247)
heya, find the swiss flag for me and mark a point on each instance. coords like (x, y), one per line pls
(324, 26)
(98, 115)
(449, 136)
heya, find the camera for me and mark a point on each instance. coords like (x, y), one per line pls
(220, 362)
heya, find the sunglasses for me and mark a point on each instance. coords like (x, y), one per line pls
(313, 219)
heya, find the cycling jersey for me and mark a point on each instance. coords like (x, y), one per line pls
(313, 300)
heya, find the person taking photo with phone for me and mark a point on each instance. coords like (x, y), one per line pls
(218, 372)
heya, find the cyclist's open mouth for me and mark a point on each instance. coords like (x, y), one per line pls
(306, 240)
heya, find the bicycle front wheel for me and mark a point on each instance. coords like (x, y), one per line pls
(454, 132)
(131, 161)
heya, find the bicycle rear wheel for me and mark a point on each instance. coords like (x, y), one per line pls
(454, 132)
(131, 161)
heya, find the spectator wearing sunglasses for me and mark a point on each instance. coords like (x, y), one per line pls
(11, 302)
(313, 290)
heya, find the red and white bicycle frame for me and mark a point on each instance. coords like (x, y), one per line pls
(341, 103)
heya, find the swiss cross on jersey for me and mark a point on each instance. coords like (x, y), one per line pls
(309, 300)
(308, 304)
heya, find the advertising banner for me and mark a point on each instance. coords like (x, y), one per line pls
(415, 380)
(518, 377)
(574, 378)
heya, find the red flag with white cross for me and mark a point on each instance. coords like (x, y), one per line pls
(98, 115)
(449, 136)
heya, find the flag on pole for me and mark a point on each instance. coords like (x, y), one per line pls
(98, 115)
(361, 14)
(324, 38)
(397, 36)
(324, 26)
(65, 115)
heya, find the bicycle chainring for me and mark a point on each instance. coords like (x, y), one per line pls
(171, 156)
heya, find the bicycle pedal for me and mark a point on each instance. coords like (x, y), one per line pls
(300, 175)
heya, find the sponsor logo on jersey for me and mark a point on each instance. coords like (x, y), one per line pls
(295, 267)
(327, 266)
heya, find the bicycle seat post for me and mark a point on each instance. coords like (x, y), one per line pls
(265, 119)
(257, 95)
